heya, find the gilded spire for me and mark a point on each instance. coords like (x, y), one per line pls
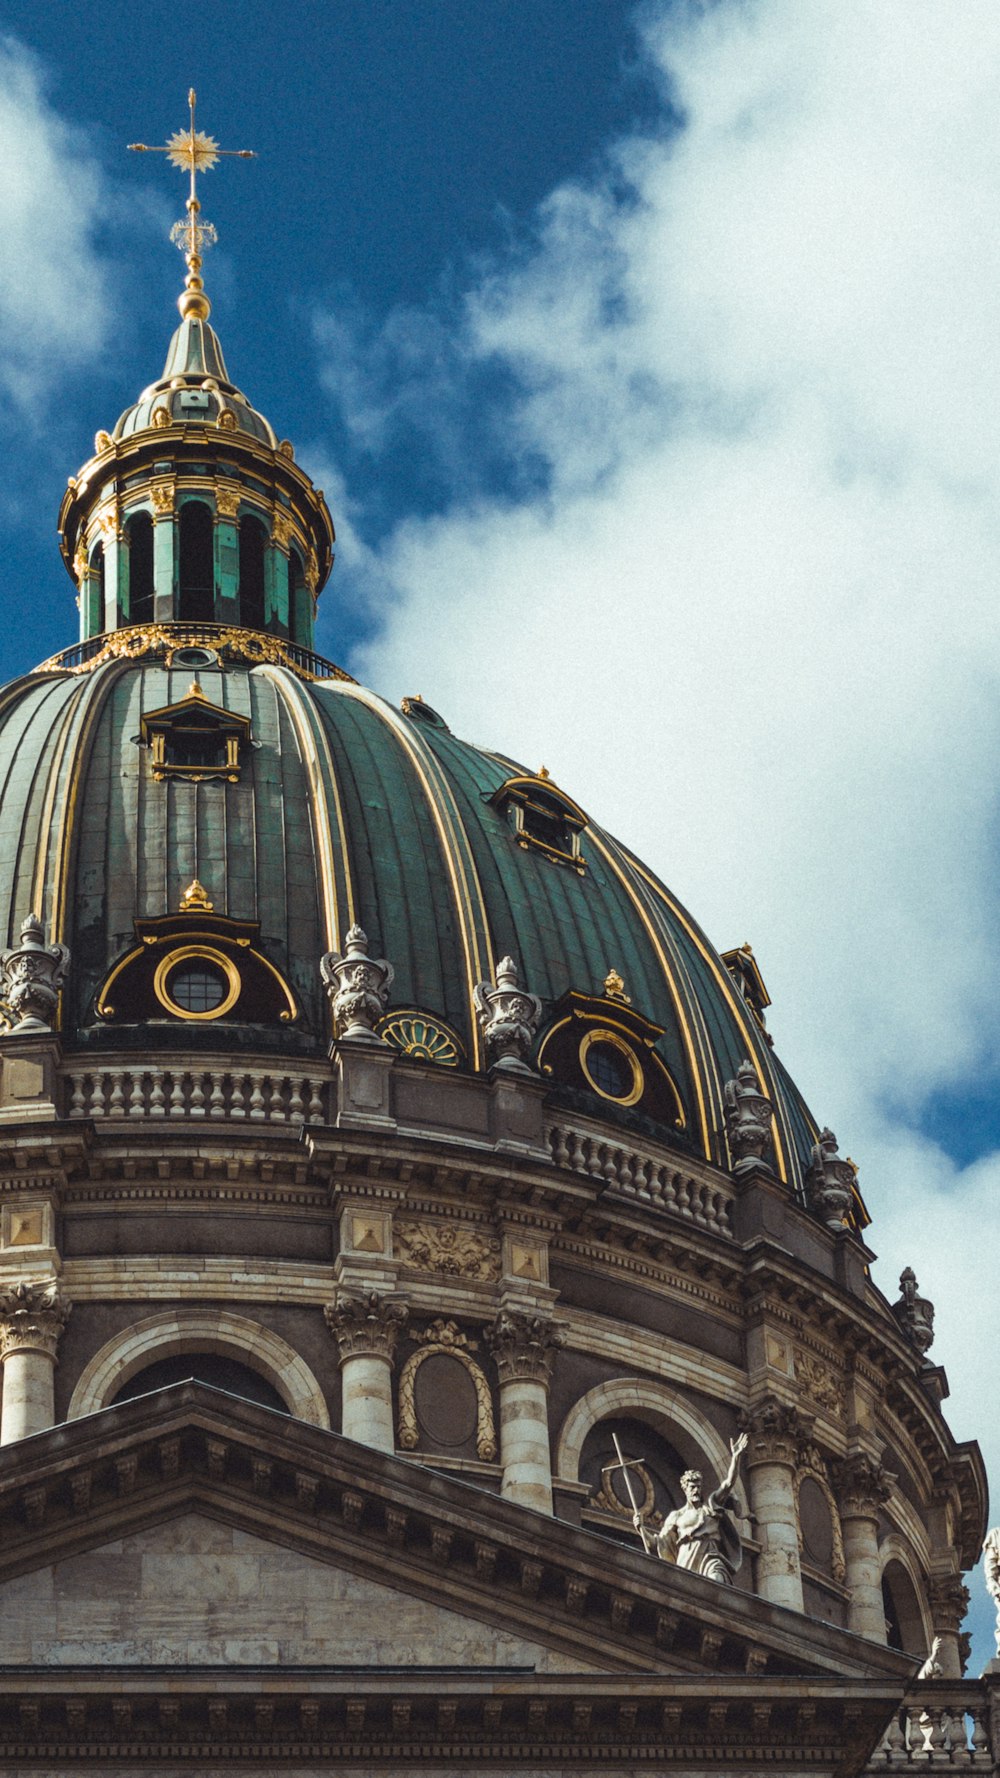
(193, 152)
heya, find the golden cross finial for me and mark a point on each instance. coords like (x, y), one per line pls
(193, 152)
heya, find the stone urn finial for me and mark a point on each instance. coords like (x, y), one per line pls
(748, 1118)
(509, 1018)
(31, 976)
(829, 1182)
(358, 986)
(914, 1313)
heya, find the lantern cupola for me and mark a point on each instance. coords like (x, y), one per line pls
(191, 509)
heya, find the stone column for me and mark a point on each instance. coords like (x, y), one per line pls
(365, 1329)
(948, 1598)
(524, 1347)
(32, 1316)
(776, 1433)
(863, 1486)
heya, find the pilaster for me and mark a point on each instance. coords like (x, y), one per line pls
(863, 1487)
(777, 1436)
(524, 1346)
(32, 1318)
(366, 1329)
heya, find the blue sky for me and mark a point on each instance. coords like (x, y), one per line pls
(648, 359)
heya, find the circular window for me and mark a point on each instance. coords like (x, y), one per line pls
(611, 1068)
(193, 657)
(197, 983)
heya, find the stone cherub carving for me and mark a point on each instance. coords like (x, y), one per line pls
(747, 1117)
(829, 1182)
(31, 976)
(358, 987)
(991, 1554)
(509, 1018)
(703, 1535)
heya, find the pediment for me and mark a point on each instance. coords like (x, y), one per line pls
(195, 1590)
(474, 1570)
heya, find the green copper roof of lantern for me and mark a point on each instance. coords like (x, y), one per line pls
(347, 809)
(195, 367)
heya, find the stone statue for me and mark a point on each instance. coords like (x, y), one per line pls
(829, 1182)
(748, 1117)
(358, 986)
(31, 977)
(703, 1535)
(932, 1668)
(991, 1554)
(509, 1018)
(914, 1313)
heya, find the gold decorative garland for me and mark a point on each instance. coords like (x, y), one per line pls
(133, 642)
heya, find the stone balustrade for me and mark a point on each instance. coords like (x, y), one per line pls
(944, 1722)
(644, 1176)
(186, 1089)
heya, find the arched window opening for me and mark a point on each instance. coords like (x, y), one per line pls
(140, 569)
(95, 592)
(197, 570)
(213, 1368)
(904, 1624)
(656, 1478)
(253, 541)
(297, 622)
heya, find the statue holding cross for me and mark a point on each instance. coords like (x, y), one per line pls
(702, 1535)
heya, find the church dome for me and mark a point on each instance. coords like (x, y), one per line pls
(352, 1071)
(338, 808)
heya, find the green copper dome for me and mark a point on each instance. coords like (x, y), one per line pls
(195, 389)
(337, 808)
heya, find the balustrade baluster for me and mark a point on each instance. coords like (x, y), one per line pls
(237, 1103)
(296, 1109)
(315, 1101)
(217, 1097)
(560, 1148)
(78, 1102)
(981, 1754)
(116, 1103)
(96, 1095)
(196, 1107)
(276, 1103)
(157, 1107)
(137, 1096)
(176, 1094)
(257, 1108)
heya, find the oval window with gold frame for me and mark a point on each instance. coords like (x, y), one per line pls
(611, 1067)
(197, 982)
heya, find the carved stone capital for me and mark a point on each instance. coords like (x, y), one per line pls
(524, 1346)
(777, 1433)
(862, 1486)
(948, 1597)
(365, 1326)
(32, 1317)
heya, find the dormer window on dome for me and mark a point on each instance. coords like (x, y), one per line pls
(543, 817)
(195, 739)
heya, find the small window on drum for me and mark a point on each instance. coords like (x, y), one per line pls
(611, 1067)
(197, 983)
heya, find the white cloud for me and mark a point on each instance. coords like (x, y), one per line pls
(53, 303)
(750, 623)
